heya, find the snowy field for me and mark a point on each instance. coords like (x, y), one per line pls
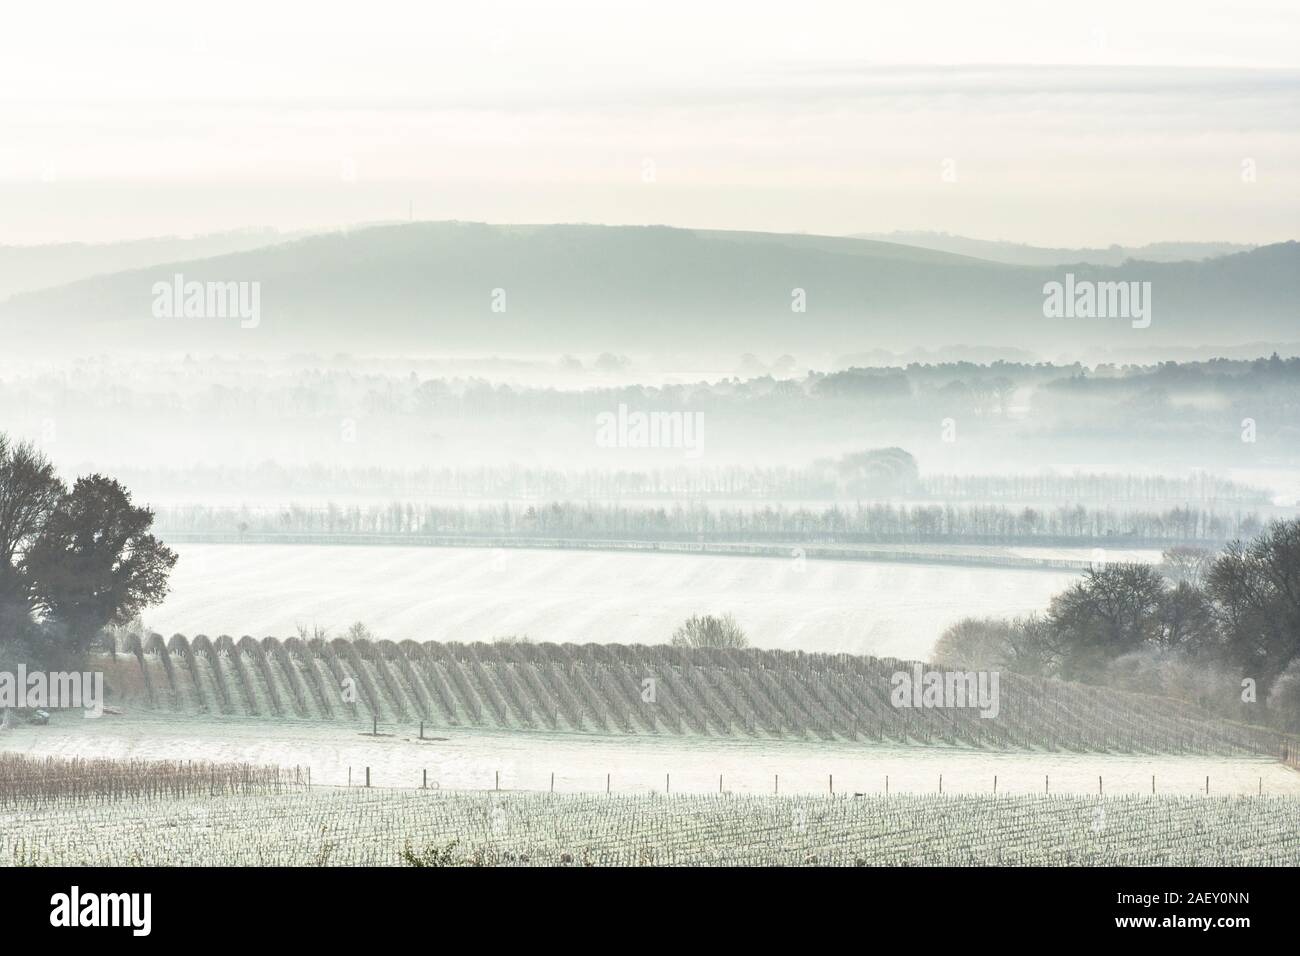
(470, 594)
(472, 760)
(326, 826)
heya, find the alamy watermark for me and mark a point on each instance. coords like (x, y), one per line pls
(179, 299)
(629, 429)
(926, 689)
(75, 908)
(53, 689)
(1085, 299)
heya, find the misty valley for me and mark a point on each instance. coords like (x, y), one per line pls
(757, 436)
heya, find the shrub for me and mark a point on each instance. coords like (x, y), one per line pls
(430, 855)
(974, 644)
(710, 631)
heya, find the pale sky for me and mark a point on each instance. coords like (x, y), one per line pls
(1122, 122)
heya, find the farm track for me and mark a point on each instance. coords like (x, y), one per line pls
(638, 689)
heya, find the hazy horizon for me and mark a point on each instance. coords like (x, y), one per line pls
(901, 235)
(1122, 125)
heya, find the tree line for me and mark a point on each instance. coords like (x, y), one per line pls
(824, 480)
(857, 523)
(1221, 629)
(1072, 401)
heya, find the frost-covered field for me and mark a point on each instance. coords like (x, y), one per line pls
(330, 826)
(581, 763)
(469, 594)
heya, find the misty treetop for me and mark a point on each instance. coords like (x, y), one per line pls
(845, 524)
(295, 389)
(1223, 629)
(825, 479)
(1009, 414)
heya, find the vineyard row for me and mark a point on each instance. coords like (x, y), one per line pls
(641, 689)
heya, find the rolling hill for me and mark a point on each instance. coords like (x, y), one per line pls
(448, 286)
(1017, 253)
(31, 268)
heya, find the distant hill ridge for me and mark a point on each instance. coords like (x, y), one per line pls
(1017, 253)
(29, 268)
(439, 287)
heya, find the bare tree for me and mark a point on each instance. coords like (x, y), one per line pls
(1185, 563)
(710, 631)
